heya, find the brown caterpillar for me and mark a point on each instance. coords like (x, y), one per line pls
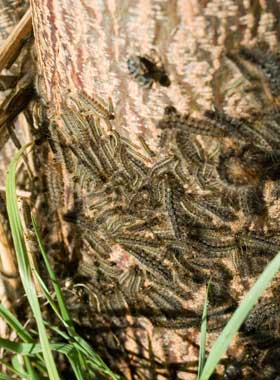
(132, 281)
(122, 239)
(151, 264)
(188, 319)
(167, 304)
(75, 126)
(269, 64)
(263, 314)
(90, 106)
(254, 241)
(205, 127)
(88, 161)
(55, 186)
(190, 150)
(195, 211)
(238, 129)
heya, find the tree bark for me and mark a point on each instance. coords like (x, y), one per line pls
(85, 45)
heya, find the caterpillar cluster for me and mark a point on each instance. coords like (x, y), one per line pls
(178, 219)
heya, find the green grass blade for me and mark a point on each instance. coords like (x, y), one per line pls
(23, 262)
(82, 360)
(31, 370)
(238, 317)
(75, 364)
(30, 349)
(81, 345)
(95, 362)
(38, 362)
(58, 331)
(60, 299)
(203, 333)
(48, 296)
(6, 377)
(17, 365)
(17, 370)
(15, 325)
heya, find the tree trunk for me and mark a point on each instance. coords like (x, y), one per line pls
(85, 45)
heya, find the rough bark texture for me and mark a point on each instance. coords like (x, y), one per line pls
(85, 45)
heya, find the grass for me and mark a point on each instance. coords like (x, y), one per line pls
(35, 349)
(203, 335)
(223, 341)
(32, 355)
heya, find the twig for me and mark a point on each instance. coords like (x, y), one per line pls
(11, 47)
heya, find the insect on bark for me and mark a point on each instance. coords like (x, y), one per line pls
(89, 106)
